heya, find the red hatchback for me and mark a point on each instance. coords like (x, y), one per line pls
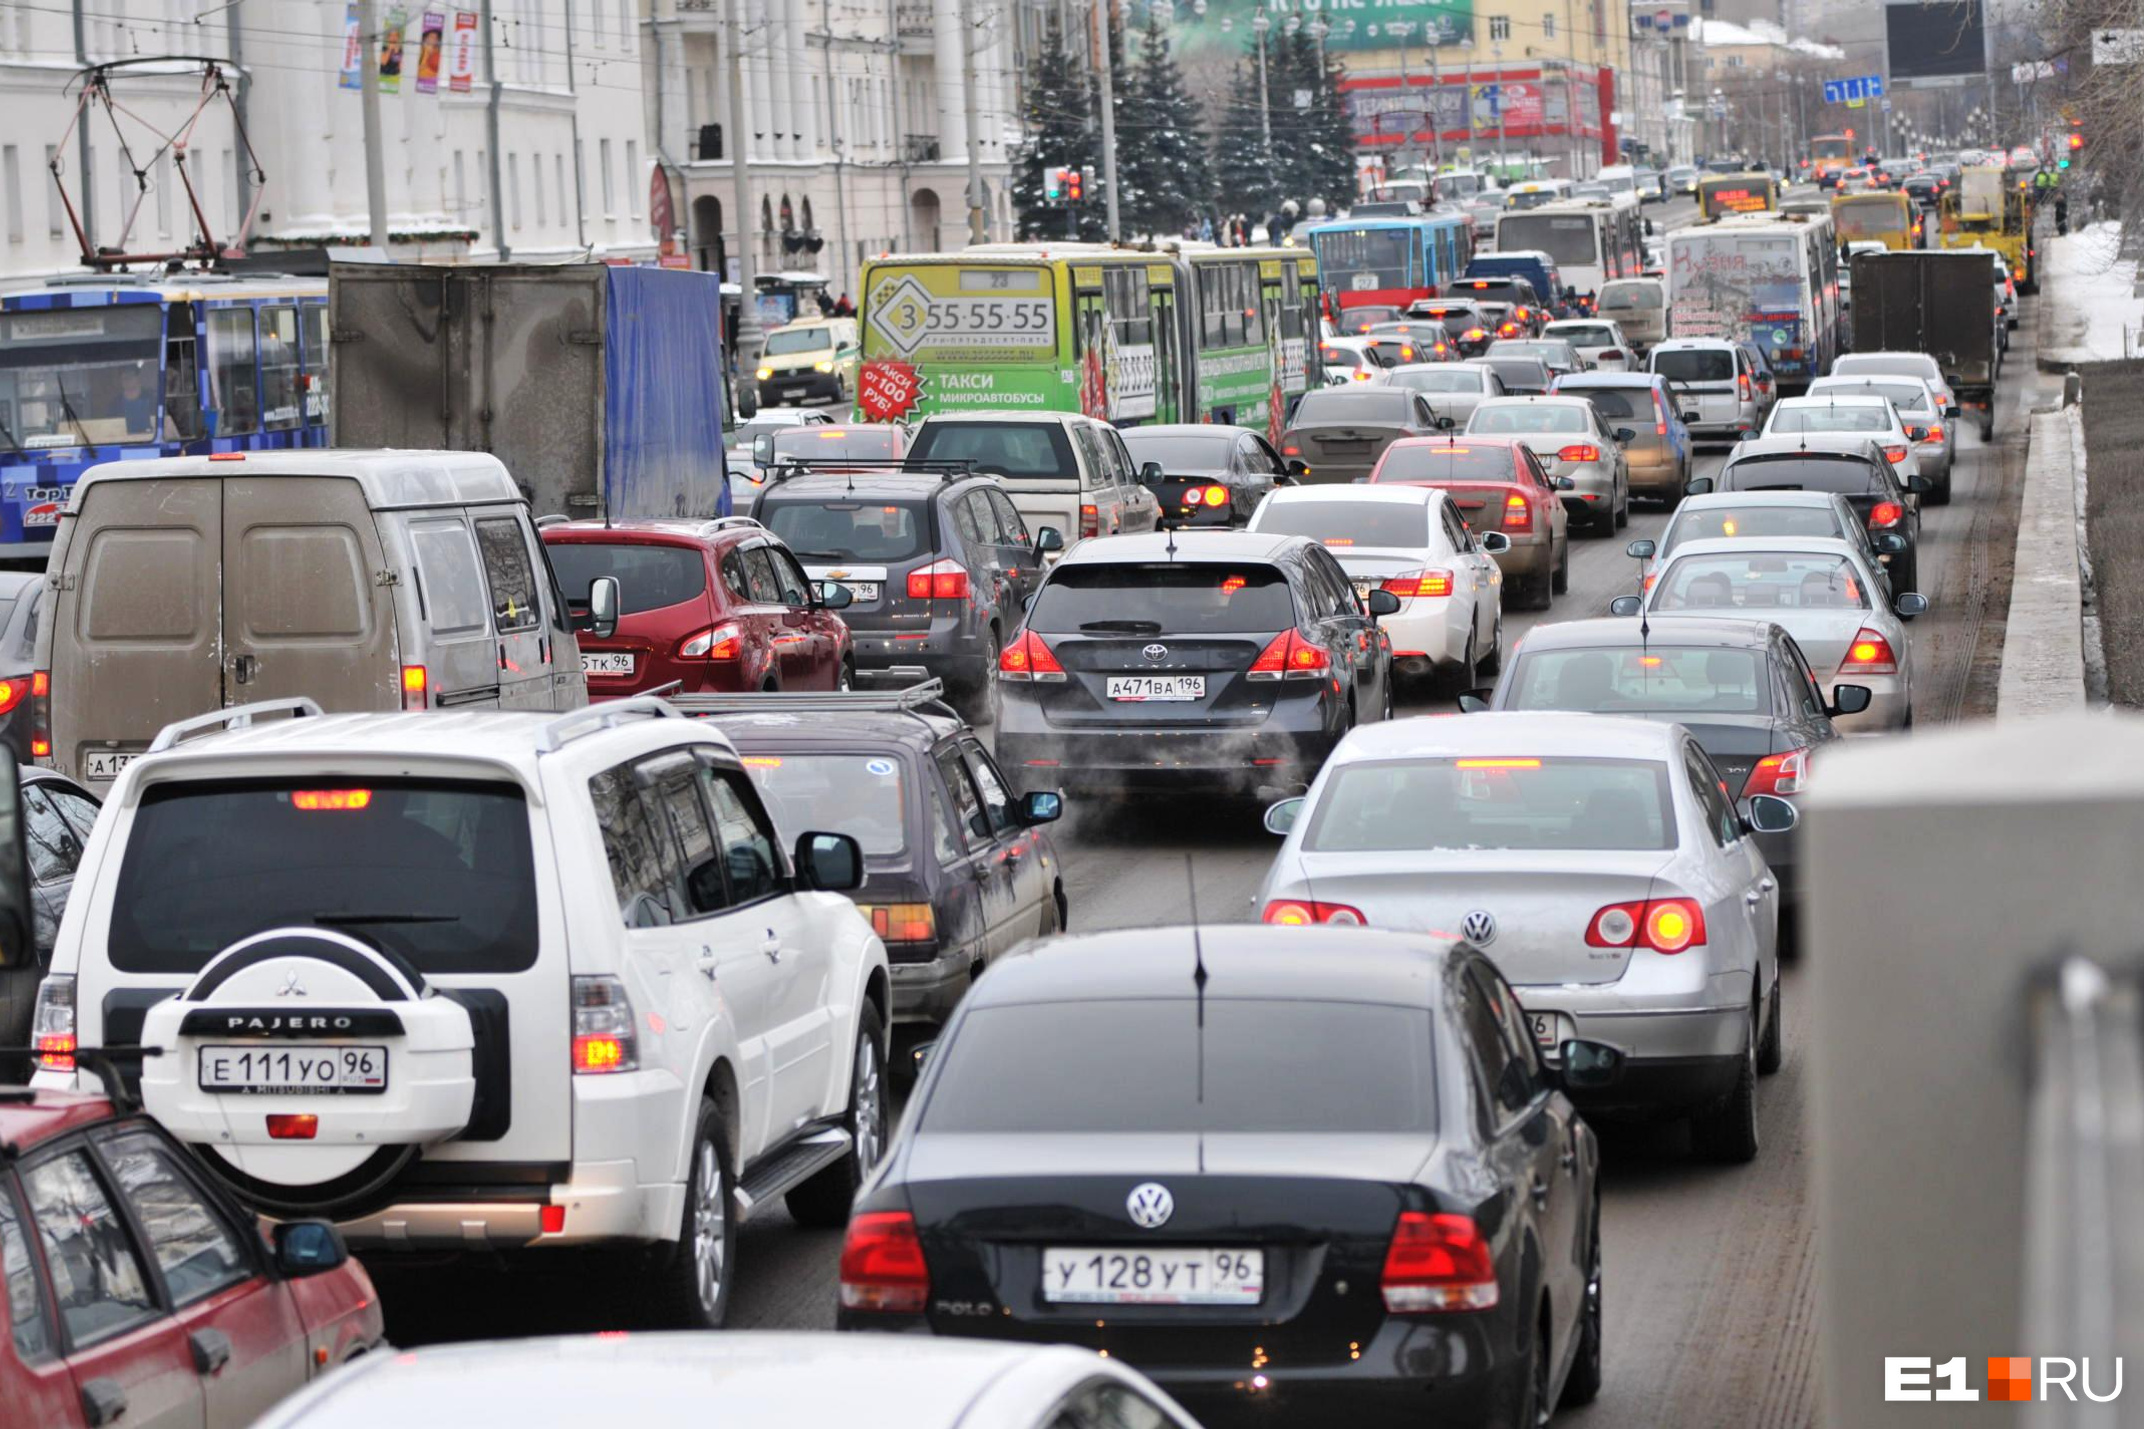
(1498, 484)
(721, 606)
(140, 1294)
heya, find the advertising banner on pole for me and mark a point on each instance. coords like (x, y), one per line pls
(353, 50)
(461, 63)
(391, 52)
(431, 41)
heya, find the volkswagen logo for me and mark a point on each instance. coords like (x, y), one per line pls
(1150, 1205)
(1156, 652)
(1480, 928)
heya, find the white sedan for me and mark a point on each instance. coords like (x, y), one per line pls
(1836, 603)
(1411, 541)
(1858, 414)
(1599, 341)
(1595, 860)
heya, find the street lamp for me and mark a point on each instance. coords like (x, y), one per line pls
(1260, 23)
(1496, 65)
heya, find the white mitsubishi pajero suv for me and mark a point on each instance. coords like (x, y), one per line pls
(484, 981)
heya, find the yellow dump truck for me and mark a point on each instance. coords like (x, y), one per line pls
(1986, 208)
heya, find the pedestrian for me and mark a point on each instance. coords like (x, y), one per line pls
(843, 308)
(1206, 228)
(2062, 213)
(826, 304)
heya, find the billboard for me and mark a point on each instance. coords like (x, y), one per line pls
(1935, 44)
(1390, 24)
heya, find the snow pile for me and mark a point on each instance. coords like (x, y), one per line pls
(1725, 33)
(2094, 314)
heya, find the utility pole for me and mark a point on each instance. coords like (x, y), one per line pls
(1105, 72)
(368, 104)
(491, 131)
(748, 334)
(976, 217)
(1260, 24)
(833, 141)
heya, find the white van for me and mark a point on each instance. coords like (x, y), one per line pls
(362, 580)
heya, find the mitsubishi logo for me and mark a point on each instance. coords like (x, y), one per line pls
(1480, 928)
(1150, 1205)
(291, 986)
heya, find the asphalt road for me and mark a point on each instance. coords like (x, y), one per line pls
(1710, 1271)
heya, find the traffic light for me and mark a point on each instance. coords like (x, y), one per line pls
(1075, 185)
(1053, 185)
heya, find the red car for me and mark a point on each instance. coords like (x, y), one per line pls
(1498, 484)
(139, 1294)
(721, 606)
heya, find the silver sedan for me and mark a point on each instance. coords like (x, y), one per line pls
(1573, 440)
(1595, 860)
(1834, 601)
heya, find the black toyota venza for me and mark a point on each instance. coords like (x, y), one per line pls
(1310, 1176)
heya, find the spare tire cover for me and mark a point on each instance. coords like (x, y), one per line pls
(302, 1057)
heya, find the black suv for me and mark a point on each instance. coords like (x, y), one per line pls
(1166, 661)
(936, 557)
(1508, 299)
(959, 868)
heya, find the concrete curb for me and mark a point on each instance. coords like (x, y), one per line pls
(2043, 669)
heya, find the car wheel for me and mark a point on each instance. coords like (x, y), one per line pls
(1064, 909)
(845, 679)
(1494, 664)
(693, 1281)
(982, 702)
(1561, 582)
(1460, 678)
(824, 1199)
(1772, 1052)
(1728, 1132)
(1534, 1408)
(1941, 495)
(1583, 1384)
(1622, 511)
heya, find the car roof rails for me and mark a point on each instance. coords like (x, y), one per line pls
(236, 717)
(554, 519)
(576, 724)
(925, 695)
(951, 469)
(729, 523)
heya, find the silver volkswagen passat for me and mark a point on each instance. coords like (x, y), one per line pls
(1595, 860)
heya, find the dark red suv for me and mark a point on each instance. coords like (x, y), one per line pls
(720, 605)
(139, 1293)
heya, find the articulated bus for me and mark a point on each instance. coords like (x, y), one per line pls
(1200, 334)
(1771, 280)
(1387, 263)
(1721, 194)
(1592, 240)
(1830, 155)
(1885, 217)
(104, 368)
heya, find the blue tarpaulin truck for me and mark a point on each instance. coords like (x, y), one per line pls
(602, 387)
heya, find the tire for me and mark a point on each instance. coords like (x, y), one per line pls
(1064, 910)
(1772, 1051)
(1987, 424)
(845, 677)
(1494, 665)
(824, 1200)
(1459, 679)
(1941, 495)
(1532, 1409)
(1728, 1132)
(981, 705)
(1622, 512)
(1583, 1384)
(691, 1278)
(1561, 581)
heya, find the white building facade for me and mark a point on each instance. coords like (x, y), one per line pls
(551, 162)
(858, 112)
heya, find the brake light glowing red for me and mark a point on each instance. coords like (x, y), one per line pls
(1894, 455)
(1779, 774)
(1288, 656)
(1870, 654)
(882, 1265)
(1302, 912)
(1742, 382)
(55, 1051)
(941, 580)
(599, 1054)
(1666, 925)
(1886, 513)
(1579, 451)
(312, 800)
(1090, 521)
(1518, 513)
(1028, 658)
(1420, 583)
(1438, 1262)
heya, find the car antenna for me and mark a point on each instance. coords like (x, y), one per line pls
(1198, 984)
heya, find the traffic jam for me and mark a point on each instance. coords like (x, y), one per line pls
(1188, 815)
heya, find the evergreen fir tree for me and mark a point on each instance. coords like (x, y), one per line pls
(1061, 132)
(1319, 152)
(1162, 160)
(1243, 168)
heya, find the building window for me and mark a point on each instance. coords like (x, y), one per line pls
(513, 191)
(558, 172)
(598, 22)
(1499, 27)
(1548, 27)
(610, 205)
(536, 186)
(461, 186)
(632, 177)
(11, 186)
(483, 189)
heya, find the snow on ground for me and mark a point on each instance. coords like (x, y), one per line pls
(2092, 299)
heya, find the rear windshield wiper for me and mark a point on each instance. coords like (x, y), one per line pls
(1124, 627)
(331, 920)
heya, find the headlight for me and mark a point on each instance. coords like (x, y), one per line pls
(822, 367)
(765, 373)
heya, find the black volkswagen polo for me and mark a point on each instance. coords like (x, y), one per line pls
(1304, 1175)
(1191, 658)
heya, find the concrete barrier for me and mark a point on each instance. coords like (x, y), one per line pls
(2043, 642)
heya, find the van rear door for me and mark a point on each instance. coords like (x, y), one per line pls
(304, 611)
(136, 629)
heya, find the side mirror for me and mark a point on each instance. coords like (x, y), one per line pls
(1495, 543)
(1566, 483)
(1625, 605)
(1745, 436)
(1473, 704)
(1641, 550)
(1699, 486)
(1445, 424)
(1770, 814)
(1692, 417)
(1910, 604)
(1383, 602)
(1916, 434)
(1847, 700)
(829, 863)
(1150, 473)
(1044, 806)
(17, 945)
(1625, 434)
(305, 1248)
(602, 618)
(763, 449)
(1890, 543)
(1049, 539)
(833, 595)
(1281, 817)
(1588, 1066)
(1917, 484)
(1297, 467)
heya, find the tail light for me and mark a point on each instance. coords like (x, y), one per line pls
(717, 642)
(1507, 330)
(1524, 314)
(292, 1126)
(416, 688)
(1742, 385)
(1473, 334)
(1090, 521)
(1779, 774)
(1666, 925)
(1302, 912)
(1886, 513)
(902, 922)
(1291, 451)
(1582, 451)
(1420, 583)
(1205, 496)
(882, 1265)
(1028, 658)
(1935, 433)
(1610, 354)
(1870, 654)
(603, 1039)
(52, 1025)
(1518, 513)
(1894, 454)
(1438, 1262)
(41, 715)
(1288, 656)
(12, 693)
(948, 579)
